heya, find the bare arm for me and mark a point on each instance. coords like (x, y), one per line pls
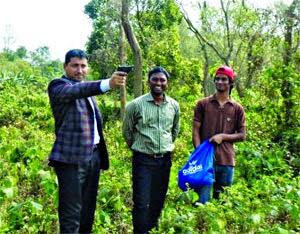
(196, 134)
(176, 124)
(235, 137)
(129, 124)
(239, 135)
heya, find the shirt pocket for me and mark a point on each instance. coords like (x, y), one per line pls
(229, 123)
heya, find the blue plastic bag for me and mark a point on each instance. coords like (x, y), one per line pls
(199, 169)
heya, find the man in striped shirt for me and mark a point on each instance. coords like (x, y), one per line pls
(150, 127)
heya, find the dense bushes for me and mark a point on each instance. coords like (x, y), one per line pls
(264, 198)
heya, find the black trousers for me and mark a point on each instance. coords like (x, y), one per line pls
(150, 177)
(78, 186)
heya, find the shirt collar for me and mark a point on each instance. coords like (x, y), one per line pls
(151, 99)
(73, 81)
(214, 99)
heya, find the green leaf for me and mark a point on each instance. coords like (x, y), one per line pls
(36, 205)
(9, 192)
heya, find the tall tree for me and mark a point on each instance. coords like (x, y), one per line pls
(123, 60)
(229, 32)
(22, 52)
(40, 57)
(135, 47)
(291, 23)
(104, 39)
(156, 38)
(290, 79)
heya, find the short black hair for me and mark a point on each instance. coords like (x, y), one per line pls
(158, 69)
(75, 53)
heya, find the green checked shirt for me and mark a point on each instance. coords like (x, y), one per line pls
(150, 128)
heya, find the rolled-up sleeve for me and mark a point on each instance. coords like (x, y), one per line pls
(128, 124)
(176, 125)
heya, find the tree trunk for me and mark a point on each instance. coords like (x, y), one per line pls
(208, 84)
(138, 85)
(123, 62)
(286, 89)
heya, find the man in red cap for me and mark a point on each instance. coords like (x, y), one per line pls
(221, 120)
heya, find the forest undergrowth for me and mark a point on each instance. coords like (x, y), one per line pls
(265, 197)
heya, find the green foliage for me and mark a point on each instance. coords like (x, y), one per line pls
(158, 36)
(263, 199)
(20, 65)
(149, 9)
(14, 66)
(105, 36)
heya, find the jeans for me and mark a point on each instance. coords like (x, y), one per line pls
(78, 186)
(150, 180)
(223, 178)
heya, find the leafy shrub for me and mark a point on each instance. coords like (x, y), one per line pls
(265, 197)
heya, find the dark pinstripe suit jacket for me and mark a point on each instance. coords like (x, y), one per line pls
(74, 121)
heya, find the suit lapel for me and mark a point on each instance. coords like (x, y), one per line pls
(97, 113)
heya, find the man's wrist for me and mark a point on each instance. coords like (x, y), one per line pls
(104, 85)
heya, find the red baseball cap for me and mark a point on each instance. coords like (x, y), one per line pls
(226, 70)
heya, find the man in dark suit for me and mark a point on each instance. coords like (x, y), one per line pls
(79, 152)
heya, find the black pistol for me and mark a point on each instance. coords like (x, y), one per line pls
(126, 69)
